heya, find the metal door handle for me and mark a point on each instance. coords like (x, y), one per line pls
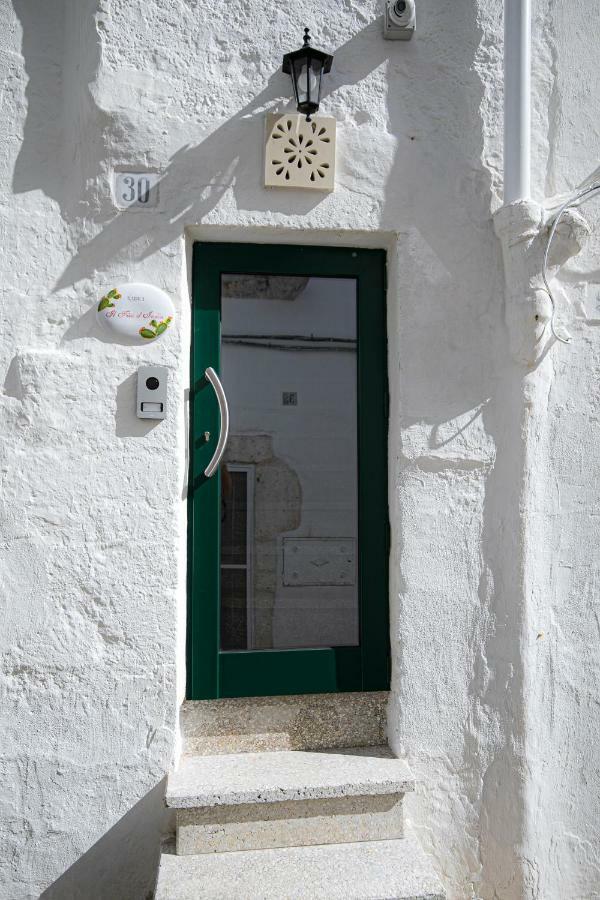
(212, 376)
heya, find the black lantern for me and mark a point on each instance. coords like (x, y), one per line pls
(307, 66)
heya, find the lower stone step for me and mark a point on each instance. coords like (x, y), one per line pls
(378, 870)
(255, 801)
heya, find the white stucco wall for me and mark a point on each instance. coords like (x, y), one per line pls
(495, 679)
(565, 662)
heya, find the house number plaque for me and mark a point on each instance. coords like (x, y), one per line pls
(136, 311)
(136, 190)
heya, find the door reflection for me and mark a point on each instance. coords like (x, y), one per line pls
(289, 475)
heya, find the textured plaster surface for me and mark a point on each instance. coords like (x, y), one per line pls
(229, 779)
(309, 722)
(564, 635)
(492, 460)
(298, 823)
(376, 870)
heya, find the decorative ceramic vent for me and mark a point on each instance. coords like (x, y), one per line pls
(300, 154)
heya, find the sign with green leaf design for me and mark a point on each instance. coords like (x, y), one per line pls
(138, 312)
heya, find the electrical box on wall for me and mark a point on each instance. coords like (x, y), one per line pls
(152, 392)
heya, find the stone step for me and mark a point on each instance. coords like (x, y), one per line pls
(278, 776)
(254, 801)
(301, 722)
(381, 870)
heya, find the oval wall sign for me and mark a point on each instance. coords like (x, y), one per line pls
(140, 312)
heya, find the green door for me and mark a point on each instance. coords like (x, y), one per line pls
(288, 529)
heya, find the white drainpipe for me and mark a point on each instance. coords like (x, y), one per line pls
(517, 105)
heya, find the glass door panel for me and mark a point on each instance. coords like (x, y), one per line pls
(288, 367)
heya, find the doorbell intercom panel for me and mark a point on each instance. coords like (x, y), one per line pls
(152, 392)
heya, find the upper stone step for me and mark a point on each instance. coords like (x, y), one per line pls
(286, 775)
(299, 722)
(381, 870)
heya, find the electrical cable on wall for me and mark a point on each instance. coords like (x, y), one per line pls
(580, 197)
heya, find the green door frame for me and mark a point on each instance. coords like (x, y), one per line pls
(214, 673)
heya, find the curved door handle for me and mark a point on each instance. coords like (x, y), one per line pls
(213, 465)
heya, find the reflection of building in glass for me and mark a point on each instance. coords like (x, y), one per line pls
(289, 371)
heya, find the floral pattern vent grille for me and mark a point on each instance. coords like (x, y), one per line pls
(300, 154)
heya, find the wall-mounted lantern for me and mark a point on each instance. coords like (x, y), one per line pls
(306, 67)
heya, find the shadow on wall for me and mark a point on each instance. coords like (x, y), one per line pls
(61, 53)
(196, 177)
(39, 163)
(123, 864)
(437, 192)
(434, 150)
(188, 197)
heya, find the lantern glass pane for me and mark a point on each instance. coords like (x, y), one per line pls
(315, 80)
(304, 80)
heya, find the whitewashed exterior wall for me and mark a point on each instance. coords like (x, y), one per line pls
(494, 566)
